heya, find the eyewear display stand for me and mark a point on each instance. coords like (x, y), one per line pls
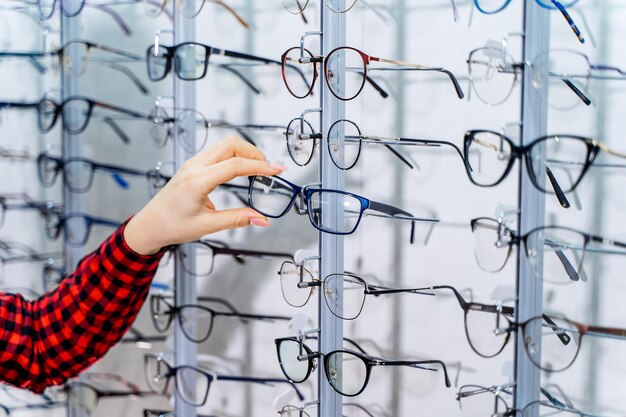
(531, 204)
(331, 245)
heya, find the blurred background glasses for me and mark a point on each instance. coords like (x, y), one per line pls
(347, 371)
(191, 8)
(196, 320)
(556, 164)
(190, 60)
(78, 173)
(75, 57)
(52, 275)
(547, 408)
(164, 127)
(297, 7)
(21, 202)
(555, 253)
(83, 397)
(493, 73)
(356, 65)
(310, 409)
(76, 227)
(296, 283)
(69, 8)
(193, 384)
(479, 401)
(495, 6)
(205, 251)
(345, 142)
(274, 196)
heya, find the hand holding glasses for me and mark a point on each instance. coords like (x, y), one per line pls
(274, 196)
(347, 371)
(344, 86)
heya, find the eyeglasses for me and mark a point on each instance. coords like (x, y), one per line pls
(75, 57)
(191, 9)
(555, 253)
(206, 250)
(356, 64)
(14, 252)
(311, 410)
(68, 8)
(297, 7)
(83, 397)
(302, 141)
(162, 129)
(547, 408)
(491, 7)
(196, 320)
(274, 196)
(562, 159)
(192, 383)
(164, 413)
(76, 227)
(52, 275)
(348, 372)
(20, 201)
(78, 173)
(190, 60)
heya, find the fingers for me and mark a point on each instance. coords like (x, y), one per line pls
(234, 167)
(233, 219)
(228, 148)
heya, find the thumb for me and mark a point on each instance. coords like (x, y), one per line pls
(234, 219)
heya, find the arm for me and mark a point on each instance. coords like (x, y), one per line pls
(47, 341)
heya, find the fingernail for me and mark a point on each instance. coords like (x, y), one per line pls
(278, 166)
(259, 221)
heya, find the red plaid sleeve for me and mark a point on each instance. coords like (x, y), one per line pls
(47, 341)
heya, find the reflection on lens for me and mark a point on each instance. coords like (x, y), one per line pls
(76, 230)
(75, 58)
(476, 401)
(558, 74)
(294, 369)
(295, 6)
(48, 170)
(486, 332)
(346, 372)
(76, 113)
(552, 343)
(298, 71)
(492, 74)
(156, 373)
(340, 6)
(193, 385)
(565, 158)
(300, 143)
(345, 73)
(159, 130)
(82, 401)
(290, 275)
(488, 155)
(46, 115)
(161, 313)
(53, 225)
(343, 220)
(556, 254)
(344, 143)
(270, 196)
(157, 65)
(191, 61)
(78, 175)
(491, 244)
(196, 322)
(344, 295)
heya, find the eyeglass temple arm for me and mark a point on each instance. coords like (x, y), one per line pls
(582, 96)
(383, 93)
(253, 316)
(242, 77)
(419, 365)
(563, 337)
(14, 105)
(118, 19)
(118, 109)
(551, 398)
(251, 253)
(262, 381)
(377, 290)
(569, 20)
(560, 195)
(569, 268)
(233, 12)
(128, 73)
(451, 76)
(606, 331)
(118, 130)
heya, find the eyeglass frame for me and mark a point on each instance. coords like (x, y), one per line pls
(53, 233)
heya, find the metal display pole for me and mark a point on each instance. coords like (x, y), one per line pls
(185, 351)
(331, 246)
(531, 202)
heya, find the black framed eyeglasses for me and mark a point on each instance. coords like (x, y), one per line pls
(555, 253)
(556, 164)
(76, 227)
(190, 60)
(356, 64)
(78, 173)
(21, 201)
(347, 371)
(274, 196)
(197, 320)
(192, 383)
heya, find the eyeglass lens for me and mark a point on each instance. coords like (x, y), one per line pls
(344, 295)
(82, 401)
(344, 132)
(346, 373)
(294, 369)
(291, 275)
(347, 84)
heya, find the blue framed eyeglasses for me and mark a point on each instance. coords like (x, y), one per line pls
(274, 197)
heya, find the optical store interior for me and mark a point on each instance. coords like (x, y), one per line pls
(445, 241)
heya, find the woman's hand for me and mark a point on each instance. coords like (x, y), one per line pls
(182, 211)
